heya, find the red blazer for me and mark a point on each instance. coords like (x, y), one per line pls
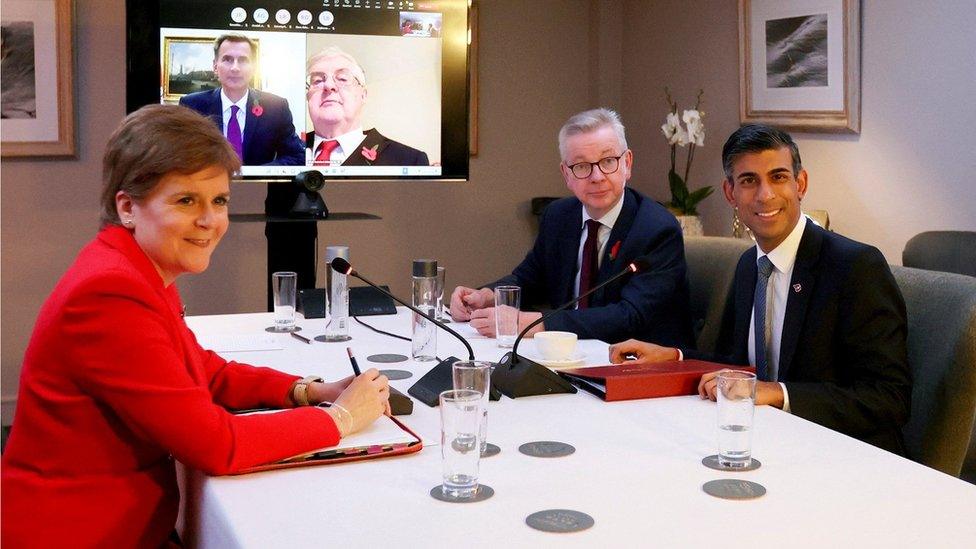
(114, 387)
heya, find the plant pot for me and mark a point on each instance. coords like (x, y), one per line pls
(691, 225)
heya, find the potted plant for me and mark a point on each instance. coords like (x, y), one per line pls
(684, 203)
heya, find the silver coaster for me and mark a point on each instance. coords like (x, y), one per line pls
(484, 492)
(731, 488)
(491, 450)
(394, 375)
(712, 463)
(386, 358)
(272, 329)
(546, 449)
(324, 339)
(560, 521)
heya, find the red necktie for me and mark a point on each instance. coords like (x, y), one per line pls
(590, 266)
(325, 151)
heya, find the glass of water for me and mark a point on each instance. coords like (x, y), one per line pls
(460, 442)
(736, 406)
(284, 287)
(507, 302)
(475, 375)
(441, 273)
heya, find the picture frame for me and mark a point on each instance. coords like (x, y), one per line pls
(38, 42)
(800, 64)
(188, 66)
(473, 82)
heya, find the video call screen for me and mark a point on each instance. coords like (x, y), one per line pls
(412, 107)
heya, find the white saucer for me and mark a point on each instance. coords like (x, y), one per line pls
(575, 362)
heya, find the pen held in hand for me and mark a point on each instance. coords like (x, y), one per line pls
(352, 360)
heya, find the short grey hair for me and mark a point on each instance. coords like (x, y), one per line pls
(336, 51)
(591, 121)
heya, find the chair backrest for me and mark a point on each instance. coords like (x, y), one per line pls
(942, 356)
(711, 269)
(948, 251)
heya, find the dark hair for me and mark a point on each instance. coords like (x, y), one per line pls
(755, 138)
(154, 141)
(233, 37)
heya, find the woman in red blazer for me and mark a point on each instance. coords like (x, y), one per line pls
(115, 387)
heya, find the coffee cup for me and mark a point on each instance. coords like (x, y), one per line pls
(556, 345)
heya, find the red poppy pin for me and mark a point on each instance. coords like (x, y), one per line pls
(369, 153)
(614, 250)
(257, 109)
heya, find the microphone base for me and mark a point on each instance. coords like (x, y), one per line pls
(440, 378)
(516, 376)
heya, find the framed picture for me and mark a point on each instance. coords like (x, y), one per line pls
(800, 64)
(188, 66)
(473, 68)
(37, 99)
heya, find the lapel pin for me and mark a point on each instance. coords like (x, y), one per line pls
(797, 288)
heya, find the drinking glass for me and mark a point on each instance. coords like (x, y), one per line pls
(475, 375)
(284, 286)
(507, 301)
(736, 406)
(441, 272)
(460, 442)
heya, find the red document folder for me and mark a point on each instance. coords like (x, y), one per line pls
(629, 381)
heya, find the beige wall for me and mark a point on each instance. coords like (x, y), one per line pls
(540, 61)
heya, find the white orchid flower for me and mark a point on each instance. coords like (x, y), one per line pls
(673, 131)
(696, 128)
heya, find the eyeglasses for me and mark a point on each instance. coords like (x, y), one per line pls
(343, 79)
(607, 165)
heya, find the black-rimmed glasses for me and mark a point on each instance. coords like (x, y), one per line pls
(607, 165)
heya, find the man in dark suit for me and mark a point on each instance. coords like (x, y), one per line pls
(336, 95)
(830, 343)
(585, 239)
(260, 128)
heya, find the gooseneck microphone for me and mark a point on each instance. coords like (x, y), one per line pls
(440, 378)
(517, 376)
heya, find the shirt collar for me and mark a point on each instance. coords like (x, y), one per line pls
(226, 103)
(784, 256)
(608, 219)
(347, 141)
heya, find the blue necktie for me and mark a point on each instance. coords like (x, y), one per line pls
(759, 312)
(234, 132)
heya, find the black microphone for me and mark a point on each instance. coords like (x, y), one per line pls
(517, 376)
(441, 377)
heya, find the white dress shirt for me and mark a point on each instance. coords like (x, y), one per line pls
(783, 257)
(603, 235)
(226, 104)
(348, 144)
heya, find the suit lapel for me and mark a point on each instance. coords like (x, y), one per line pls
(216, 113)
(373, 139)
(251, 121)
(801, 288)
(567, 253)
(610, 266)
(745, 289)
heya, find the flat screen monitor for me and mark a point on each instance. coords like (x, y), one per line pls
(386, 79)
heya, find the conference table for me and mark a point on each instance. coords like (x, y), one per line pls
(636, 470)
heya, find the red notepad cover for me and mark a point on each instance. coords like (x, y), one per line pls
(629, 381)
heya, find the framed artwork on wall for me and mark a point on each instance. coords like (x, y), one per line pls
(37, 100)
(800, 64)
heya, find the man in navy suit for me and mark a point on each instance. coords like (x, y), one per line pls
(336, 95)
(259, 126)
(830, 343)
(585, 239)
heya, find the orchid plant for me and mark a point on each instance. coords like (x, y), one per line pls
(683, 201)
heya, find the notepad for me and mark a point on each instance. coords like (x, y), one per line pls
(241, 343)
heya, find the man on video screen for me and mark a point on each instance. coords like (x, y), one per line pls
(336, 94)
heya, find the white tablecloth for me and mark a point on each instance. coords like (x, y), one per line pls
(636, 470)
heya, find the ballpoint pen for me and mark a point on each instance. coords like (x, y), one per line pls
(300, 337)
(352, 360)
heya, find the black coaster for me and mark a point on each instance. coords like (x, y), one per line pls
(394, 375)
(323, 339)
(560, 521)
(731, 488)
(491, 450)
(484, 492)
(546, 449)
(712, 463)
(295, 328)
(386, 358)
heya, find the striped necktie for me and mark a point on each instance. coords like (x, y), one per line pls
(765, 268)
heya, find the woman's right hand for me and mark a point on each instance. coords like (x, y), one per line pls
(364, 399)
